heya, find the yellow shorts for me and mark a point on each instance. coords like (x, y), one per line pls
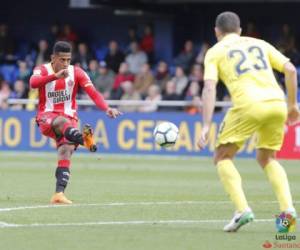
(266, 119)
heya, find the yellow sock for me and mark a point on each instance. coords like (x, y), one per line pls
(280, 184)
(232, 183)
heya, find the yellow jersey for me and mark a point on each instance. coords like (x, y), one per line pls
(245, 65)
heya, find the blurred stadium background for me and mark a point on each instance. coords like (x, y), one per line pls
(146, 57)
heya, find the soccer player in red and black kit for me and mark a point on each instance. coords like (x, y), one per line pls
(58, 83)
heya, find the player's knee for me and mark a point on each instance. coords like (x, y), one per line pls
(223, 154)
(263, 160)
(59, 122)
(65, 151)
(265, 156)
(220, 157)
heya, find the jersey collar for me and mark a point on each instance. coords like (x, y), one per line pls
(51, 68)
(230, 36)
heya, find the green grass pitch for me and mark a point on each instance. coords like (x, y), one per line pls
(132, 203)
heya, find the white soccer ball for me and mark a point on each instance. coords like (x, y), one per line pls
(165, 134)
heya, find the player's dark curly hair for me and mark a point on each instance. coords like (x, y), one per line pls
(62, 46)
(228, 22)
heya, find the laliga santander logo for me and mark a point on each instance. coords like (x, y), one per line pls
(285, 223)
(267, 244)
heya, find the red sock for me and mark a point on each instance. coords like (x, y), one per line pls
(63, 164)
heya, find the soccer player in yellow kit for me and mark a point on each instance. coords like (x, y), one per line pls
(245, 65)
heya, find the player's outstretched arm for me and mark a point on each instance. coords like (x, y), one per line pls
(208, 99)
(96, 96)
(290, 74)
(100, 102)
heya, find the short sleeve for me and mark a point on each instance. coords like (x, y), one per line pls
(211, 66)
(39, 71)
(81, 77)
(277, 59)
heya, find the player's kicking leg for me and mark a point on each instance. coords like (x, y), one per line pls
(279, 181)
(85, 138)
(232, 183)
(64, 127)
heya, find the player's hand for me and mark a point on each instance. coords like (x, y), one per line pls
(204, 137)
(63, 73)
(113, 113)
(293, 114)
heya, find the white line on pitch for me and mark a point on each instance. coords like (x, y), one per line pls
(114, 223)
(142, 203)
(112, 204)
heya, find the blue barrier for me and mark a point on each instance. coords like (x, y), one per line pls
(131, 133)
